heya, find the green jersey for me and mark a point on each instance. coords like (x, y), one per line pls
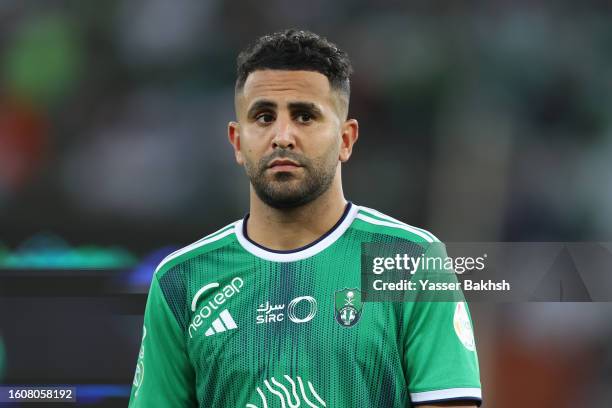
(229, 323)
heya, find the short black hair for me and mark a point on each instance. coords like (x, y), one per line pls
(296, 50)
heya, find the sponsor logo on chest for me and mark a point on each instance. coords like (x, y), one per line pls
(302, 309)
(215, 302)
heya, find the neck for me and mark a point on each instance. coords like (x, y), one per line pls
(292, 228)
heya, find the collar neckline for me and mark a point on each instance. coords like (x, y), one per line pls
(306, 251)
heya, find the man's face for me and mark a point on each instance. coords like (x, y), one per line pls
(289, 135)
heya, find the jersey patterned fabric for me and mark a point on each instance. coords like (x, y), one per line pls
(229, 323)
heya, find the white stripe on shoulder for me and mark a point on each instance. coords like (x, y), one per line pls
(386, 217)
(394, 225)
(215, 236)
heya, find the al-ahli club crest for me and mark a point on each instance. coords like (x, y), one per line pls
(348, 306)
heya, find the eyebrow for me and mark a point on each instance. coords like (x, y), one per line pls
(259, 105)
(305, 106)
(264, 104)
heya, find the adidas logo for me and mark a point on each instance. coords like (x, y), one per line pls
(222, 323)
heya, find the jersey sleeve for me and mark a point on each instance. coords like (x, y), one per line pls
(440, 356)
(164, 376)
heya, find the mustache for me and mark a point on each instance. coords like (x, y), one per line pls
(282, 154)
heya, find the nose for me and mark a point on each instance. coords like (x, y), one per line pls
(284, 134)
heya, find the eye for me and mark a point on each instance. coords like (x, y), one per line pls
(264, 118)
(304, 117)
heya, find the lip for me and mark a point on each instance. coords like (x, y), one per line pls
(283, 164)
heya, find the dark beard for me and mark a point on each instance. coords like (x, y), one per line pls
(280, 193)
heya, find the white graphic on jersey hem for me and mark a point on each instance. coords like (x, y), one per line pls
(463, 326)
(282, 393)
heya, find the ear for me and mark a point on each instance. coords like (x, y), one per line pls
(233, 134)
(350, 134)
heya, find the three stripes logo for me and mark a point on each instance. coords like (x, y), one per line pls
(291, 399)
(222, 323)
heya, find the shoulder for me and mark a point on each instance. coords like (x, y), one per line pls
(210, 242)
(375, 221)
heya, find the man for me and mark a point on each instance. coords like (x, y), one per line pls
(267, 311)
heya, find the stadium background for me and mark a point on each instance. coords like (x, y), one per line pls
(491, 122)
